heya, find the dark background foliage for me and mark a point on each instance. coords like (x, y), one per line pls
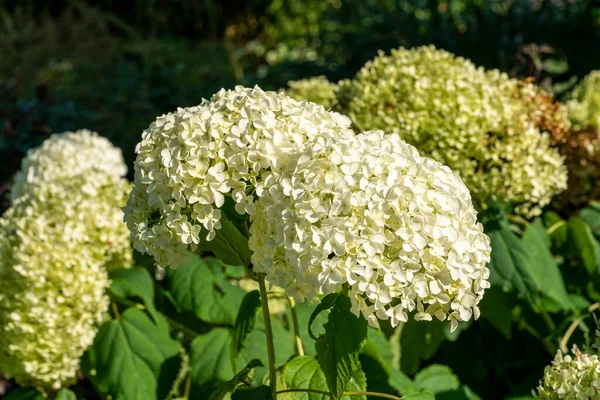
(112, 66)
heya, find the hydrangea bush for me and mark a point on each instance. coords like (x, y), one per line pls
(57, 242)
(316, 90)
(461, 115)
(299, 255)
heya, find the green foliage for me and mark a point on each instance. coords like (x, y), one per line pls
(244, 324)
(201, 288)
(338, 348)
(305, 373)
(210, 360)
(510, 266)
(130, 354)
(229, 244)
(134, 283)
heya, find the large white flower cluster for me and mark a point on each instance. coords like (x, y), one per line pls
(189, 161)
(470, 119)
(63, 231)
(575, 377)
(70, 155)
(398, 229)
(76, 167)
(52, 291)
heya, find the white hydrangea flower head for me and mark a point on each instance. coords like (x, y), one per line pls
(584, 105)
(575, 377)
(82, 167)
(373, 215)
(463, 116)
(189, 161)
(52, 291)
(68, 155)
(316, 89)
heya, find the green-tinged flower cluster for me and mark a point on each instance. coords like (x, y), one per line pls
(52, 286)
(575, 377)
(76, 167)
(584, 105)
(468, 118)
(316, 89)
(63, 230)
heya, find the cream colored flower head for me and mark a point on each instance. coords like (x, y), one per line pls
(190, 161)
(459, 114)
(76, 168)
(68, 155)
(52, 291)
(316, 89)
(584, 106)
(571, 377)
(373, 215)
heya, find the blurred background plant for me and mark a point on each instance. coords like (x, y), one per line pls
(112, 66)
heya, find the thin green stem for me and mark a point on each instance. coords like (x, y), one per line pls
(188, 385)
(565, 339)
(374, 394)
(518, 220)
(115, 310)
(324, 393)
(547, 345)
(548, 320)
(292, 303)
(269, 333)
(299, 347)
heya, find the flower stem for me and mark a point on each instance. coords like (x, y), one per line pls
(269, 333)
(299, 347)
(324, 393)
(374, 394)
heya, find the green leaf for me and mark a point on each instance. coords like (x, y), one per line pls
(544, 269)
(325, 304)
(586, 246)
(338, 349)
(229, 244)
(262, 392)
(230, 386)
(376, 358)
(419, 341)
(256, 346)
(210, 362)
(24, 393)
(462, 393)
(303, 372)
(556, 66)
(496, 307)
(304, 312)
(244, 324)
(437, 378)
(591, 216)
(130, 354)
(65, 394)
(201, 288)
(510, 265)
(134, 283)
(400, 381)
(421, 394)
